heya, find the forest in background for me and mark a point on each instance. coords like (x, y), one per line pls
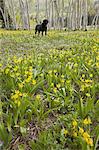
(70, 14)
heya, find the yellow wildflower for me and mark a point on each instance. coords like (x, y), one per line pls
(30, 73)
(88, 81)
(14, 57)
(75, 134)
(74, 123)
(20, 85)
(90, 142)
(82, 87)
(15, 61)
(97, 58)
(75, 65)
(17, 91)
(68, 81)
(15, 96)
(20, 59)
(65, 132)
(38, 96)
(91, 75)
(0, 65)
(9, 66)
(55, 90)
(97, 65)
(62, 76)
(28, 79)
(52, 84)
(87, 121)
(81, 130)
(33, 82)
(15, 68)
(87, 85)
(98, 101)
(62, 80)
(58, 85)
(17, 74)
(41, 74)
(86, 135)
(83, 75)
(55, 71)
(30, 68)
(88, 94)
(20, 94)
(7, 70)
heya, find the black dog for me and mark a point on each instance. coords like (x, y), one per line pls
(41, 27)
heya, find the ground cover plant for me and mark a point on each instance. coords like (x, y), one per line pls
(49, 90)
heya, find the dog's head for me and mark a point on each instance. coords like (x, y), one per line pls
(45, 21)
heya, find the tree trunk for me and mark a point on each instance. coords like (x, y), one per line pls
(13, 15)
(78, 14)
(52, 14)
(5, 16)
(28, 18)
(37, 11)
(57, 14)
(62, 14)
(24, 15)
(85, 15)
(46, 9)
(73, 15)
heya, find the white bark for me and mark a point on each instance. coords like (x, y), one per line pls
(4, 17)
(24, 15)
(37, 11)
(95, 22)
(28, 18)
(57, 14)
(62, 14)
(13, 15)
(46, 9)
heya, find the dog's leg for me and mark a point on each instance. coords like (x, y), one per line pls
(45, 32)
(38, 33)
(35, 32)
(42, 33)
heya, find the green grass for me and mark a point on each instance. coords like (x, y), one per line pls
(49, 90)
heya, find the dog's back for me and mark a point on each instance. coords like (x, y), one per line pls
(38, 27)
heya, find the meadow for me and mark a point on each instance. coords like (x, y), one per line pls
(49, 90)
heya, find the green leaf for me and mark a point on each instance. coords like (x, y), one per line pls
(9, 121)
(37, 86)
(23, 130)
(4, 135)
(96, 134)
(80, 107)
